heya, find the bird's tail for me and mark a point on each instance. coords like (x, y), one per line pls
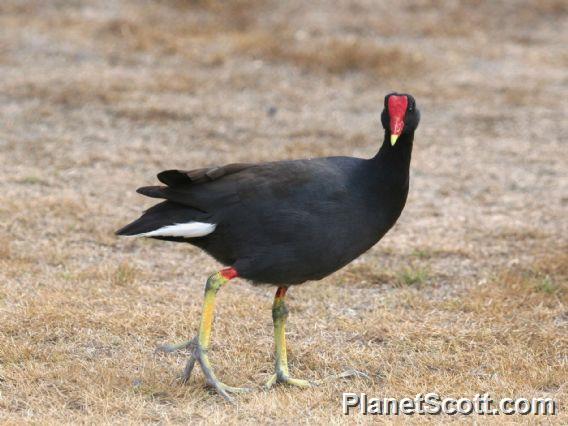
(169, 219)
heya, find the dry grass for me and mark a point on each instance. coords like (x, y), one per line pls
(81, 346)
(110, 90)
(467, 294)
(334, 56)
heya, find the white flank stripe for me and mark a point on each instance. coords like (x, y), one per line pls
(187, 230)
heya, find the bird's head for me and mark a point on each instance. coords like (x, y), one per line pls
(400, 115)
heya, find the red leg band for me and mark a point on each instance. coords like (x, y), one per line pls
(229, 273)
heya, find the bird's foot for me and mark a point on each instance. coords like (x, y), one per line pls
(285, 379)
(177, 347)
(200, 356)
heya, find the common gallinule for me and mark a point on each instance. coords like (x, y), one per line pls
(282, 223)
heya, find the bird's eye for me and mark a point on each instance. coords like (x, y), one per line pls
(410, 109)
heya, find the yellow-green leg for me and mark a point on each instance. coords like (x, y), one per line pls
(279, 316)
(282, 375)
(201, 343)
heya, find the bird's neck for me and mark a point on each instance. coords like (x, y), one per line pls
(397, 157)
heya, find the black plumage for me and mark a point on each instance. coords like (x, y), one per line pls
(282, 223)
(287, 222)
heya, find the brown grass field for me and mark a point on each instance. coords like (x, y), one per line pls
(467, 294)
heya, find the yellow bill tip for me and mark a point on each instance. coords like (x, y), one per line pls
(394, 139)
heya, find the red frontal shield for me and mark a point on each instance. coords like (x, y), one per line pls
(397, 110)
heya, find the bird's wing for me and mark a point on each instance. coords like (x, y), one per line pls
(292, 181)
(174, 178)
(204, 189)
(299, 182)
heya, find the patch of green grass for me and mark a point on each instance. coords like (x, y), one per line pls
(413, 276)
(32, 180)
(422, 253)
(546, 285)
(67, 276)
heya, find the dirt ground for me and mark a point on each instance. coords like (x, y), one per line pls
(467, 294)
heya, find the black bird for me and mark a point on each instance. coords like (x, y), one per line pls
(284, 222)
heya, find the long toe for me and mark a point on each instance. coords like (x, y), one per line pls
(186, 375)
(225, 390)
(222, 389)
(234, 389)
(288, 381)
(298, 382)
(271, 382)
(348, 374)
